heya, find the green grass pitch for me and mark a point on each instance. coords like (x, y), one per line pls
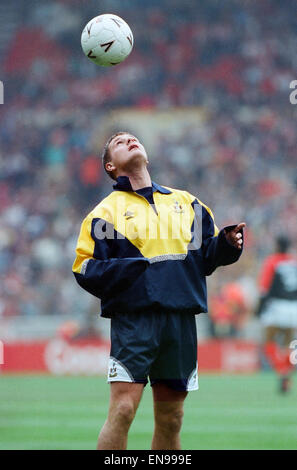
(228, 412)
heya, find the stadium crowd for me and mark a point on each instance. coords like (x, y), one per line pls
(234, 59)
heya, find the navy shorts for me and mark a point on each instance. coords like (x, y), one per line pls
(161, 346)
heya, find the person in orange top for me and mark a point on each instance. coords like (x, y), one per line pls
(228, 310)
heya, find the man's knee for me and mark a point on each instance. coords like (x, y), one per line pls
(124, 411)
(169, 421)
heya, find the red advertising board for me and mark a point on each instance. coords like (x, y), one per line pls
(90, 357)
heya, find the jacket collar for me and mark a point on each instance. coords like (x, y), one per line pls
(123, 184)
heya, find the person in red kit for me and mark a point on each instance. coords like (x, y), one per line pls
(278, 308)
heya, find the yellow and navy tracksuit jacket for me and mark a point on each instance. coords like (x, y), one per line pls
(136, 256)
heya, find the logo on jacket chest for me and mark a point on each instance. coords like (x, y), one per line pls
(129, 214)
(177, 207)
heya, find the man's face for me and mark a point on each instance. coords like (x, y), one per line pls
(125, 152)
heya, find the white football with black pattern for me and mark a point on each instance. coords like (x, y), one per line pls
(107, 40)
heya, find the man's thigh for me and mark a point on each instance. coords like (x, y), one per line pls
(271, 333)
(278, 334)
(164, 393)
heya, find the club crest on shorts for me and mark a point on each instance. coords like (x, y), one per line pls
(113, 370)
(117, 372)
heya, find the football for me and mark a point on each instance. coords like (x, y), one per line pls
(107, 40)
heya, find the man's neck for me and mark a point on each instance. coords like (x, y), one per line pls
(139, 179)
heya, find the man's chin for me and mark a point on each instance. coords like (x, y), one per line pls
(136, 157)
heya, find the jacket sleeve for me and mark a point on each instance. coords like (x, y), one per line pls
(95, 268)
(217, 251)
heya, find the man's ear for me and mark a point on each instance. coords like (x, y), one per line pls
(110, 166)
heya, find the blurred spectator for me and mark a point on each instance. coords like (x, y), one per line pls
(228, 311)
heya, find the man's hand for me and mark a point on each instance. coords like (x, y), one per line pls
(234, 236)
